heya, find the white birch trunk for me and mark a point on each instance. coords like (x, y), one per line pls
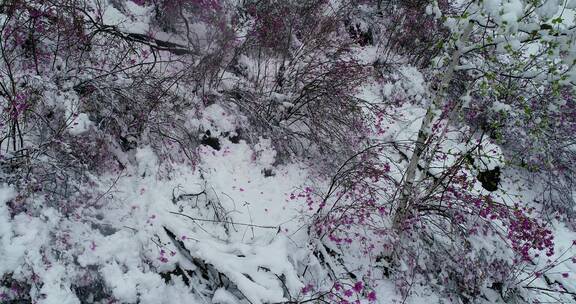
(407, 191)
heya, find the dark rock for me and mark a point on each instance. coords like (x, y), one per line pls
(208, 140)
(490, 179)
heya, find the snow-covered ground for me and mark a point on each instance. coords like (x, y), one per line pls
(235, 192)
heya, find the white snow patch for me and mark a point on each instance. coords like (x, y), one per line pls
(80, 124)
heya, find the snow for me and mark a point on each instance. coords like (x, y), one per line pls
(244, 265)
(57, 286)
(133, 19)
(143, 207)
(513, 10)
(228, 226)
(21, 239)
(147, 161)
(10, 249)
(265, 153)
(414, 86)
(499, 106)
(433, 8)
(549, 8)
(492, 6)
(217, 118)
(80, 124)
(222, 296)
(237, 177)
(113, 16)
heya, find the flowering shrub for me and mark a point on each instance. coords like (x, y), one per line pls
(354, 213)
(412, 29)
(532, 147)
(304, 77)
(406, 119)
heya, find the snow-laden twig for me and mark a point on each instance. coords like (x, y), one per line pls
(226, 222)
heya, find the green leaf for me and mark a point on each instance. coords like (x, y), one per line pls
(557, 20)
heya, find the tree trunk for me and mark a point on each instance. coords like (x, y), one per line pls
(406, 194)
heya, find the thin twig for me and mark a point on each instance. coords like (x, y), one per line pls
(226, 222)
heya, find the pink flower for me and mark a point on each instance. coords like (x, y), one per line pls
(348, 293)
(308, 288)
(358, 287)
(372, 296)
